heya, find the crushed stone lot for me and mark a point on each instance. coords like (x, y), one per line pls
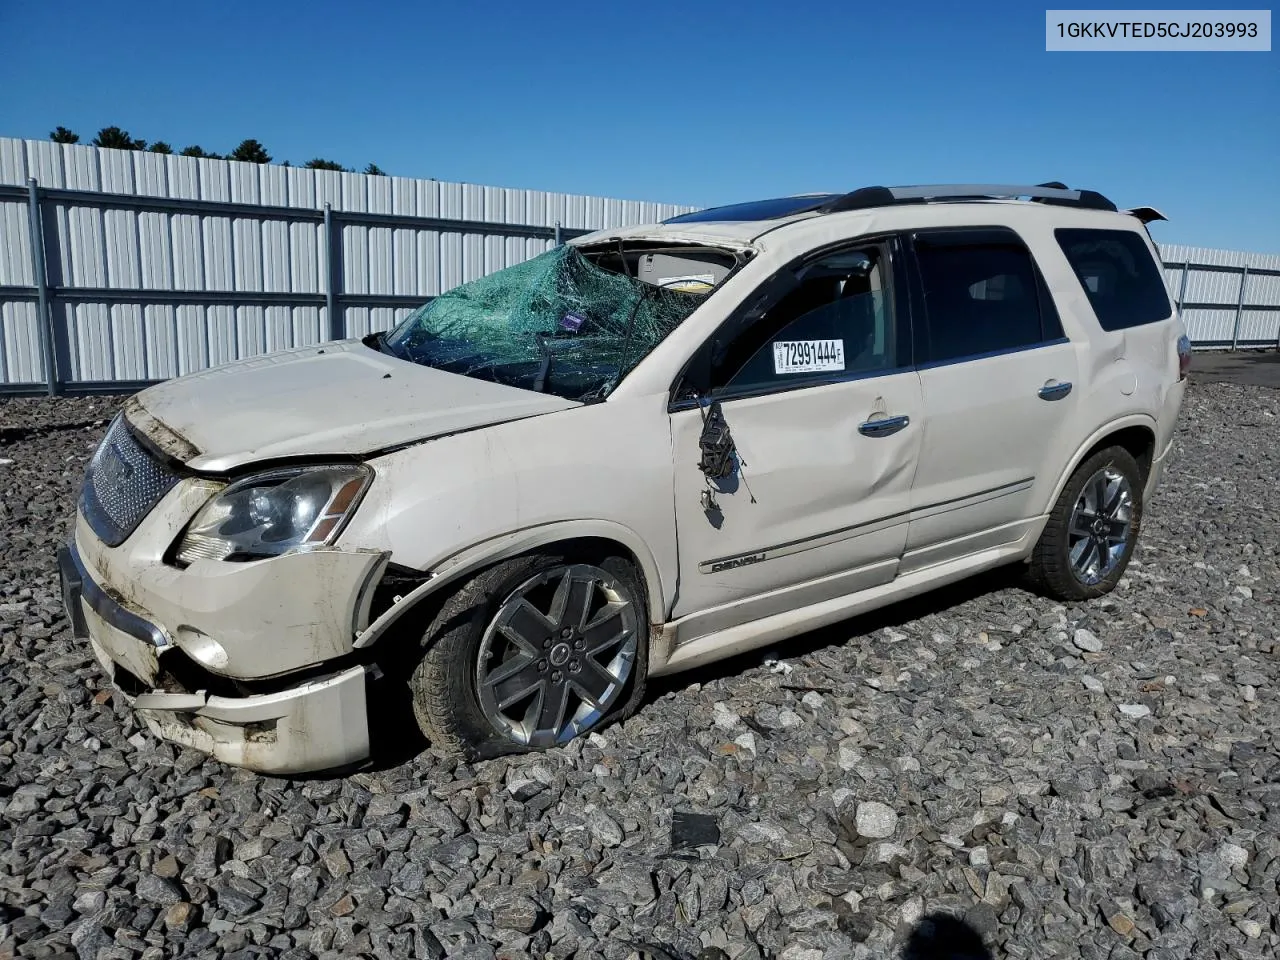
(1091, 780)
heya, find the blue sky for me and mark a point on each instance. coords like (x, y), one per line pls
(688, 102)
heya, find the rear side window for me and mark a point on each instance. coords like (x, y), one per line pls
(982, 294)
(1119, 276)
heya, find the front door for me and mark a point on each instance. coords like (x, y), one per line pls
(824, 420)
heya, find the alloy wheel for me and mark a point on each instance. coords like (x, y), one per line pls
(557, 655)
(1100, 527)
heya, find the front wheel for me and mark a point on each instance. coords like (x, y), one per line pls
(1093, 528)
(531, 653)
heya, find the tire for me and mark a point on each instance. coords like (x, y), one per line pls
(456, 700)
(1062, 564)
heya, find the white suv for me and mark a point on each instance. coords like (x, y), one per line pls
(648, 449)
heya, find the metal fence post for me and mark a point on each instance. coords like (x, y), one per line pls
(557, 233)
(38, 272)
(1235, 333)
(333, 284)
(1182, 290)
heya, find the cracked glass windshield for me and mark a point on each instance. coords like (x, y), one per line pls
(558, 323)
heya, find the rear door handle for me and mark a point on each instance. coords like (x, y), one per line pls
(883, 428)
(1054, 391)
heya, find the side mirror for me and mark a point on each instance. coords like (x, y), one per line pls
(716, 444)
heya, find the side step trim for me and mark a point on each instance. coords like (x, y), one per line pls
(790, 623)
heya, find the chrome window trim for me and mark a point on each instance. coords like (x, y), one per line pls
(728, 396)
(724, 395)
(974, 357)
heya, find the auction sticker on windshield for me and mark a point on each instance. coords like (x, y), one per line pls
(694, 283)
(807, 356)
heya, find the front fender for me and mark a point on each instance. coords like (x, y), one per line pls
(460, 565)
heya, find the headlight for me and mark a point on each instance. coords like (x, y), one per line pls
(273, 513)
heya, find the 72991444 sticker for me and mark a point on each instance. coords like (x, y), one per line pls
(807, 356)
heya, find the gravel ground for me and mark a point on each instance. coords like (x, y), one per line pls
(1096, 780)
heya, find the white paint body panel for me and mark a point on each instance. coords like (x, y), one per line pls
(338, 399)
(245, 621)
(814, 497)
(837, 522)
(597, 470)
(988, 438)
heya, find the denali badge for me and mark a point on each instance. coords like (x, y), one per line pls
(718, 565)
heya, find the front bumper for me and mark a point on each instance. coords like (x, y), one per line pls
(318, 724)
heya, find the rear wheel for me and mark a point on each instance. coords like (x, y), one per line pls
(1093, 528)
(531, 653)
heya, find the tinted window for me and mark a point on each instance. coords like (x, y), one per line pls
(1119, 276)
(836, 322)
(982, 294)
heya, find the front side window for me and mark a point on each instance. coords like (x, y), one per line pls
(1119, 276)
(834, 323)
(982, 294)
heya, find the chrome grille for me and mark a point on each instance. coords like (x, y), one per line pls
(122, 485)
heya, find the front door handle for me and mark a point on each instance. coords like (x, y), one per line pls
(883, 428)
(1054, 391)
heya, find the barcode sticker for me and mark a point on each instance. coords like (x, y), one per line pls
(807, 356)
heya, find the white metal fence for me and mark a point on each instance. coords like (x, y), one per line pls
(1227, 298)
(119, 268)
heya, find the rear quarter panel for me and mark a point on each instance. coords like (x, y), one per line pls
(1127, 377)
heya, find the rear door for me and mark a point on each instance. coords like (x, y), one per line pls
(999, 386)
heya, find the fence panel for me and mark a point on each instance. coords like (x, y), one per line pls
(161, 265)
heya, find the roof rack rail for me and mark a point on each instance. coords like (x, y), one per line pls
(1054, 193)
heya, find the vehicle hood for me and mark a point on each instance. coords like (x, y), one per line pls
(336, 399)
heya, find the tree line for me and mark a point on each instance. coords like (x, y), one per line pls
(248, 151)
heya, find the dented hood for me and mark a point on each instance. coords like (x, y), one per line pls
(336, 399)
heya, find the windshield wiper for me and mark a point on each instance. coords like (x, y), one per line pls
(544, 372)
(544, 341)
(378, 341)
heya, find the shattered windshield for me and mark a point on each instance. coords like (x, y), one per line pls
(557, 323)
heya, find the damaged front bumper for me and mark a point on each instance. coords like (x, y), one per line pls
(314, 720)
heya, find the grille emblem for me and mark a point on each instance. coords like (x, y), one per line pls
(114, 468)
